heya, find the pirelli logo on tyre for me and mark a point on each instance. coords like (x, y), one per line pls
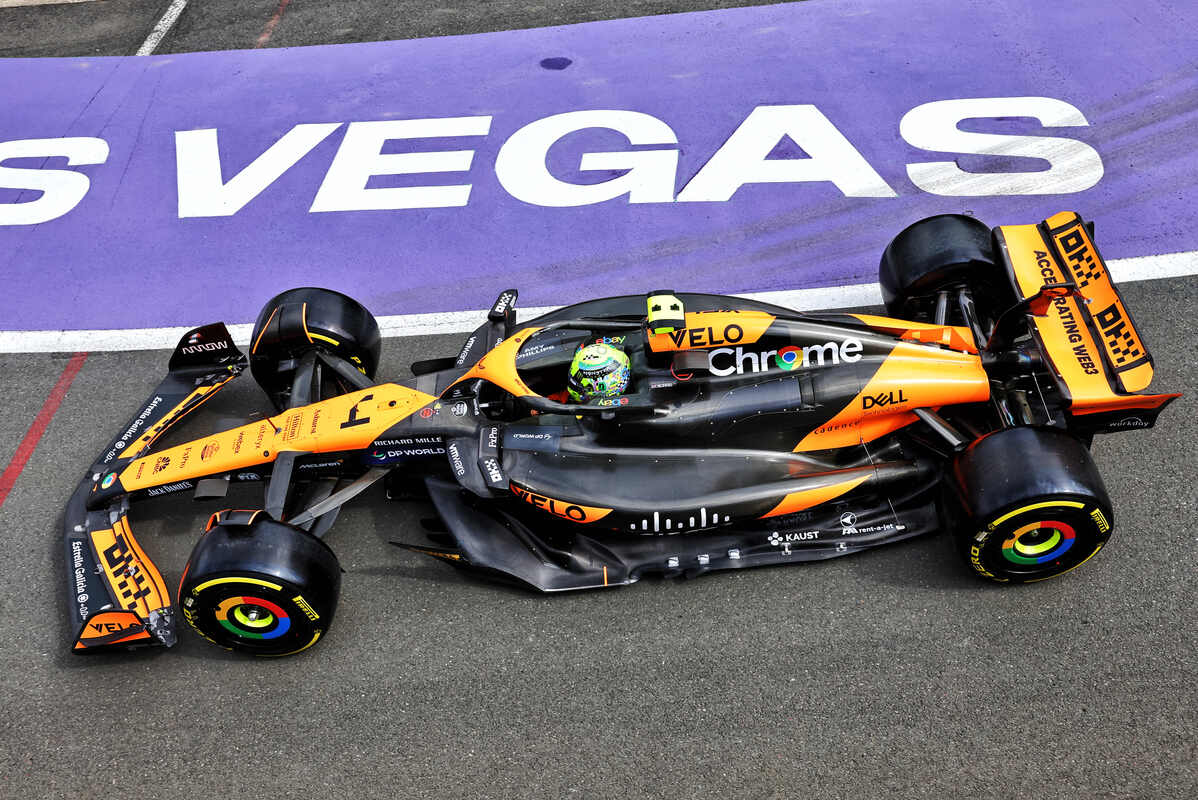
(304, 606)
(975, 555)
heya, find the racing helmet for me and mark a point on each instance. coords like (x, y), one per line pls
(598, 370)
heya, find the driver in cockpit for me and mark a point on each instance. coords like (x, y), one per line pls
(598, 370)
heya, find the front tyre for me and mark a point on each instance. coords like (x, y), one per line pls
(1034, 505)
(259, 586)
(301, 320)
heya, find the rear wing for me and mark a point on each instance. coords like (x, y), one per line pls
(1096, 354)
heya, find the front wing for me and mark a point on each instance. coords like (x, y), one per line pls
(116, 596)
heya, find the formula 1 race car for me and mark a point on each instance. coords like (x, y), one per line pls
(749, 435)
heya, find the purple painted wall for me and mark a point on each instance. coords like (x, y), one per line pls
(123, 258)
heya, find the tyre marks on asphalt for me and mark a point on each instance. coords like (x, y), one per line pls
(42, 421)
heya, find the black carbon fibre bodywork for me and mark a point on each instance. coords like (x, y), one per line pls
(688, 485)
(748, 435)
(502, 543)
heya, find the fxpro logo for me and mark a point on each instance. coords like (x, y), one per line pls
(734, 361)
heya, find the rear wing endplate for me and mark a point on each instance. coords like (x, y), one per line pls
(1096, 352)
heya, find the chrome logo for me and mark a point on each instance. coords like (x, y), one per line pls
(789, 357)
(1038, 542)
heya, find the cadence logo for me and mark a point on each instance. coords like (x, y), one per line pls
(647, 174)
(725, 361)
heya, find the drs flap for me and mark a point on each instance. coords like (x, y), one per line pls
(1123, 349)
(1091, 340)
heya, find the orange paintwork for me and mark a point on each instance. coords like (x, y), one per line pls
(955, 337)
(1124, 348)
(198, 396)
(262, 332)
(807, 498)
(348, 422)
(912, 376)
(707, 329)
(1071, 346)
(105, 628)
(134, 581)
(560, 508)
(498, 366)
(1129, 402)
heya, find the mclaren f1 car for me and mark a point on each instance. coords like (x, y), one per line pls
(748, 435)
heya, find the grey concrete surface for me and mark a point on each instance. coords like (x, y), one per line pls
(118, 27)
(23, 405)
(889, 673)
(107, 28)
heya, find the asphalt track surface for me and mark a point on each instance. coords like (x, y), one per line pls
(118, 27)
(892, 673)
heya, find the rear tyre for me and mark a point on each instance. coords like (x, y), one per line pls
(1034, 505)
(259, 586)
(300, 320)
(948, 251)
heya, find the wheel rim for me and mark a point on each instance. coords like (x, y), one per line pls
(252, 617)
(1039, 542)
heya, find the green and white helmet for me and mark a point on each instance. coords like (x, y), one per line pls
(598, 370)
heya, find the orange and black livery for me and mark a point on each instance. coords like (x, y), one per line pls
(747, 434)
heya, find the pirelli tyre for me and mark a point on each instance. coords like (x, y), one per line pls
(259, 586)
(1034, 505)
(947, 251)
(304, 319)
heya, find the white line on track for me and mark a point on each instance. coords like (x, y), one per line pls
(160, 30)
(15, 3)
(1123, 270)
